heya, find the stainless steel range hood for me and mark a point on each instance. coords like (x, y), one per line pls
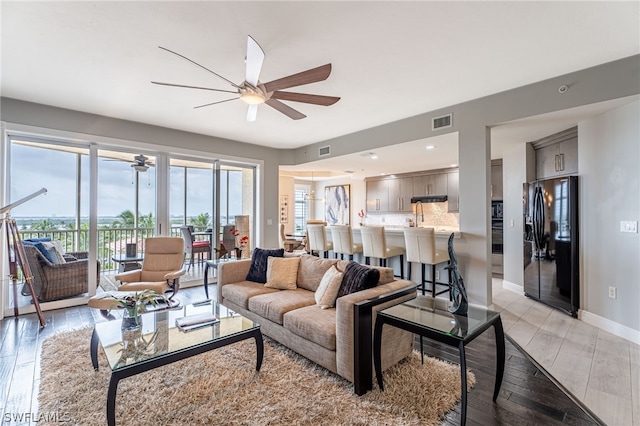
(429, 199)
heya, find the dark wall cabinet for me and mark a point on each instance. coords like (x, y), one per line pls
(400, 193)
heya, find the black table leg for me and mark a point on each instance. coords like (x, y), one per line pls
(463, 383)
(206, 279)
(421, 350)
(111, 399)
(93, 349)
(259, 349)
(500, 356)
(377, 344)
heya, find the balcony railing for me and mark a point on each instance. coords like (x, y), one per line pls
(111, 241)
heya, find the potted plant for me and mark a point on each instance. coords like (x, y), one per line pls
(135, 304)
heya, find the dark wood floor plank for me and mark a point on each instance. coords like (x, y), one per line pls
(527, 396)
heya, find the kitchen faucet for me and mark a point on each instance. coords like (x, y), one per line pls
(419, 203)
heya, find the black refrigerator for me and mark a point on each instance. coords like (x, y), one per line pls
(551, 269)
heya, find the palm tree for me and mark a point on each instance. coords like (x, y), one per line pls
(126, 219)
(146, 221)
(202, 221)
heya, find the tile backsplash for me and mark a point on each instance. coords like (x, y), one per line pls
(435, 215)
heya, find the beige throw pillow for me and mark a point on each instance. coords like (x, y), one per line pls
(282, 272)
(328, 289)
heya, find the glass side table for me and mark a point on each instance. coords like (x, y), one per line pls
(428, 317)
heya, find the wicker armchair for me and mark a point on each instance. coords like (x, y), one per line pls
(51, 281)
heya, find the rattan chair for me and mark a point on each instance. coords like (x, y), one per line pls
(58, 281)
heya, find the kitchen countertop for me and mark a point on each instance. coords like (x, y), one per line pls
(440, 231)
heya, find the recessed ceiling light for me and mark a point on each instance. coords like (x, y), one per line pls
(454, 165)
(382, 174)
(374, 156)
(430, 147)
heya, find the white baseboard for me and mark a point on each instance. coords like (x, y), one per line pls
(508, 285)
(612, 327)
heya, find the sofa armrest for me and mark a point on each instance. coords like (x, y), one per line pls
(355, 317)
(232, 272)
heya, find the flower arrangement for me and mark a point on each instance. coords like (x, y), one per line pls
(362, 214)
(135, 304)
(244, 241)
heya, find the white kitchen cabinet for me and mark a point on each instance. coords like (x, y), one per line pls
(400, 193)
(435, 184)
(453, 192)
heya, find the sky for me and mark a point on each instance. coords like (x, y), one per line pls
(33, 168)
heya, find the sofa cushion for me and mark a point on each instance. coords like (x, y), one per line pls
(358, 277)
(258, 269)
(328, 289)
(316, 325)
(240, 292)
(311, 271)
(273, 306)
(282, 272)
(386, 274)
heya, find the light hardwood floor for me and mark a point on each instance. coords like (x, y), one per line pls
(599, 369)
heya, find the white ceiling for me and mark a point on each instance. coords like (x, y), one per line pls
(391, 60)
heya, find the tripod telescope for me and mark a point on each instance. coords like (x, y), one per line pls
(15, 247)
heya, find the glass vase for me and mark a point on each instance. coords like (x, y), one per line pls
(131, 319)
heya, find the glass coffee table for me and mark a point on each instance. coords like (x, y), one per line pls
(159, 342)
(428, 317)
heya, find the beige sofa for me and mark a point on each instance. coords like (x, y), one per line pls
(338, 338)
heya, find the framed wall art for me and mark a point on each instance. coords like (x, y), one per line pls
(284, 209)
(337, 204)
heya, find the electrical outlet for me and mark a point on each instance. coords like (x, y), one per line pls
(629, 226)
(437, 275)
(612, 292)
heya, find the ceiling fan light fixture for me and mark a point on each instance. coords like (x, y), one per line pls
(140, 167)
(252, 98)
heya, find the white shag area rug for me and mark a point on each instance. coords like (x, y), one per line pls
(222, 387)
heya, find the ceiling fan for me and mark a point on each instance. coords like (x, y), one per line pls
(141, 164)
(254, 93)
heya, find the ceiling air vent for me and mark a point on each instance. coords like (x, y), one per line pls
(442, 122)
(324, 151)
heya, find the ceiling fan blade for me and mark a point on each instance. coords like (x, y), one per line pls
(213, 103)
(193, 87)
(255, 58)
(306, 98)
(201, 66)
(285, 109)
(299, 79)
(252, 112)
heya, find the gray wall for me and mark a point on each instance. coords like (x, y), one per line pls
(47, 117)
(609, 154)
(471, 119)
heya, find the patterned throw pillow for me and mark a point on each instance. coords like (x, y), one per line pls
(327, 291)
(358, 277)
(282, 272)
(259, 258)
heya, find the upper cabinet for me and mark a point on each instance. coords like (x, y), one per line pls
(377, 196)
(557, 155)
(430, 185)
(400, 193)
(496, 180)
(453, 191)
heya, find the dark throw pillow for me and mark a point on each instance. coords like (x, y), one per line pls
(358, 277)
(258, 270)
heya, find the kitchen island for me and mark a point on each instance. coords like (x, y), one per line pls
(395, 237)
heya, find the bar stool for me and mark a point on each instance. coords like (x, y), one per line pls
(343, 241)
(374, 244)
(421, 248)
(317, 239)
